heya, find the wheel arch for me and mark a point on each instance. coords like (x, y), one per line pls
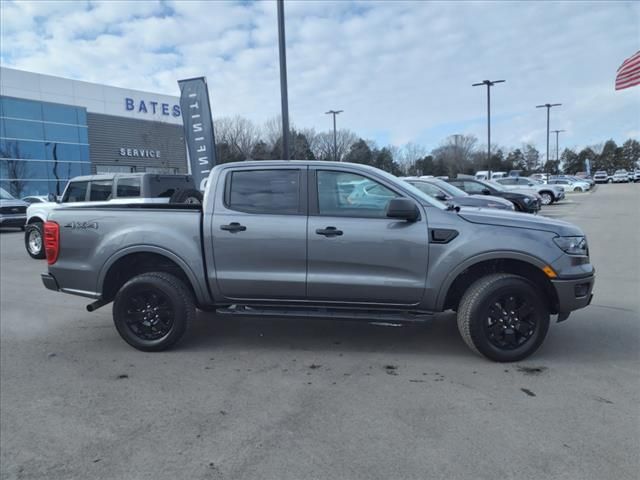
(135, 260)
(527, 266)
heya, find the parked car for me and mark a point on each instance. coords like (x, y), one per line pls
(484, 175)
(35, 199)
(548, 193)
(110, 188)
(12, 211)
(602, 176)
(621, 176)
(636, 175)
(445, 192)
(523, 202)
(277, 238)
(570, 185)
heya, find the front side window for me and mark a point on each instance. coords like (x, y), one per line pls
(76, 192)
(128, 187)
(100, 190)
(351, 195)
(264, 191)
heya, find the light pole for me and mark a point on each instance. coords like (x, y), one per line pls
(489, 84)
(557, 132)
(548, 107)
(283, 81)
(335, 138)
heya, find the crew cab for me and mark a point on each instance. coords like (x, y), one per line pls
(290, 238)
(112, 188)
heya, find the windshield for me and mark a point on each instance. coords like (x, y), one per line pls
(495, 185)
(4, 195)
(451, 190)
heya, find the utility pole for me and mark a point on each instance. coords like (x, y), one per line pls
(557, 149)
(548, 107)
(489, 84)
(283, 81)
(335, 138)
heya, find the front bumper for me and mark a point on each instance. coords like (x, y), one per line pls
(13, 220)
(574, 293)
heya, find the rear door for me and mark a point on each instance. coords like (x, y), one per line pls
(259, 233)
(357, 254)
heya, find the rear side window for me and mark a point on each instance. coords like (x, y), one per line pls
(128, 187)
(76, 192)
(100, 190)
(264, 191)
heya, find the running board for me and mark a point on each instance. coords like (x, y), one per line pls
(329, 313)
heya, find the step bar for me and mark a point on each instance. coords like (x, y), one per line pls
(393, 316)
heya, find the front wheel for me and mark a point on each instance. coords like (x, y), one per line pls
(578, 189)
(547, 198)
(152, 310)
(33, 241)
(502, 317)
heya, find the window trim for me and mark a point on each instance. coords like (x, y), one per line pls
(302, 181)
(314, 198)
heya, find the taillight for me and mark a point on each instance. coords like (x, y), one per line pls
(51, 241)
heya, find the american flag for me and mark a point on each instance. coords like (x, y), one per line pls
(628, 74)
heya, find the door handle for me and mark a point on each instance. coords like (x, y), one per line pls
(329, 232)
(233, 227)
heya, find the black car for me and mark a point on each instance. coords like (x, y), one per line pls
(522, 202)
(445, 192)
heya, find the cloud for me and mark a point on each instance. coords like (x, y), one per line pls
(401, 71)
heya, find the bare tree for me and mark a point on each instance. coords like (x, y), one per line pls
(273, 131)
(323, 144)
(408, 155)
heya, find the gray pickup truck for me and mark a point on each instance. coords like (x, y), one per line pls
(320, 239)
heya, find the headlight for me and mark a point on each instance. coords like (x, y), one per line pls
(572, 245)
(527, 200)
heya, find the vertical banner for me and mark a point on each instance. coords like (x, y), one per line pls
(198, 128)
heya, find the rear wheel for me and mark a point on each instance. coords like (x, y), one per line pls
(33, 240)
(152, 310)
(503, 318)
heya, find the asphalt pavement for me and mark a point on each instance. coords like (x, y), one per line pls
(311, 399)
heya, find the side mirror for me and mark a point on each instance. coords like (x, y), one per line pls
(442, 197)
(403, 209)
(52, 198)
(486, 191)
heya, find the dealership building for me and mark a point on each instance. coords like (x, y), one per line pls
(53, 129)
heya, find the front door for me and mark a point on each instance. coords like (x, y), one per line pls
(259, 233)
(355, 253)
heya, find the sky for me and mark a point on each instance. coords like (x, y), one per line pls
(401, 71)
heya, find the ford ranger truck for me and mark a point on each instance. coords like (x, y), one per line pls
(326, 240)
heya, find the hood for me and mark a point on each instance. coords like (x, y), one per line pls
(506, 218)
(487, 199)
(13, 203)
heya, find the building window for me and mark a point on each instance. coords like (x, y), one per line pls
(42, 146)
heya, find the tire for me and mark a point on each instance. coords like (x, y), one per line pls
(610, 180)
(189, 195)
(578, 189)
(487, 338)
(547, 198)
(143, 302)
(33, 241)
